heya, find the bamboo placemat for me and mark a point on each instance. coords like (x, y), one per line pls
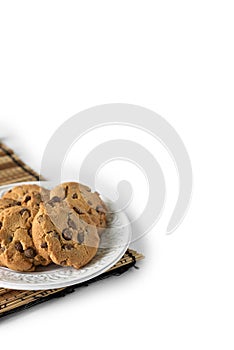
(13, 169)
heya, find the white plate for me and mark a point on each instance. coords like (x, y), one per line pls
(114, 242)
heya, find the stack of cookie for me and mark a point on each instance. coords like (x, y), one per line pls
(39, 227)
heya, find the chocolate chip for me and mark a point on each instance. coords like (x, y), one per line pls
(27, 199)
(67, 234)
(88, 189)
(67, 246)
(18, 203)
(55, 199)
(24, 210)
(55, 234)
(30, 253)
(44, 245)
(50, 203)
(71, 223)
(100, 209)
(78, 210)
(43, 260)
(74, 196)
(90, 203)
(80, 237)
(0, 225)
(9, 239)
(19, 247)
(66, 191)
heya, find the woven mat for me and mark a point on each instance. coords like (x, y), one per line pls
(12, 169)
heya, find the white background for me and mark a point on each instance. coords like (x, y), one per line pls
(176, 58)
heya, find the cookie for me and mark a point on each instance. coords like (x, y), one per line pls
(28, 195)
(82, 200)
(60, 234)
(17, 250)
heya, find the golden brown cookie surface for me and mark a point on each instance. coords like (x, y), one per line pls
(17, 250)
(59, 233)
(28, 195)
(8, 203)
(82, 200)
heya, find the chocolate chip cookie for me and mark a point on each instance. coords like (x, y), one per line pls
(60, 234)
(17, 250)
(83, 201)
